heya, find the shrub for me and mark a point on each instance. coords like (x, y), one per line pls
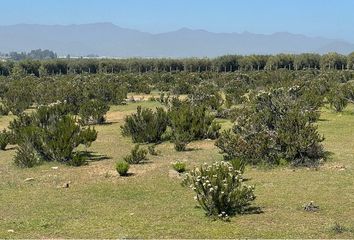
(207, 95)
(59, 143)
(274, 126)
(93, 111)
(181, 141)
(4, 139)
(122, 167)
(19, 95)
(339, 228)
(238, 165)
(146, 125)
(220, 190)
(179, 166)
(152, 150)
(136, 155)
(189, 122)
(337, 98)
(27, 154)
(77, 160)
(50, 135)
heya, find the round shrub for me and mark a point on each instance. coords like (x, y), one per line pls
(93, 111)
(220, 190)
(122, 167)
(179, 166)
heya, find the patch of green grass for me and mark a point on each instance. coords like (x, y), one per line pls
(152, 204)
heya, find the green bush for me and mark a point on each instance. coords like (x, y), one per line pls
(274, 126)
(337, 98)
(206, 94)
(146, 125)
(136, 155)
(189, 122)
(4, 139)
(28, 154)
(238, 165)
(220, 190)
(122, 167)
(77, 160)
(179, 166)
(19, 95)
(51, 135)
(93, 112)
(181, 141)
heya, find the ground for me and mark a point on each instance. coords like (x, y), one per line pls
(152, 203)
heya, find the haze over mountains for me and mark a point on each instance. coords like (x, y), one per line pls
(106, 39)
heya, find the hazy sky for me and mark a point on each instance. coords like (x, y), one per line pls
(327, 18)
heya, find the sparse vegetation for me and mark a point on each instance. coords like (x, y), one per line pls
(270, 117)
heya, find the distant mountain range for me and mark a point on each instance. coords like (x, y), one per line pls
(106, 39)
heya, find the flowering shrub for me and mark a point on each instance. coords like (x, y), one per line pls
(220, 190)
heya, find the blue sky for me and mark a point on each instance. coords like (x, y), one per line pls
(327, 18)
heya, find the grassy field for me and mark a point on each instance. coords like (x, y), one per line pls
(152, 204)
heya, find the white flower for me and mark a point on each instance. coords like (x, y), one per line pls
(211, 189)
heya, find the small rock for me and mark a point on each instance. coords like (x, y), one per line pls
(10, 231)
(55, 168)
(131, 214)
(29, 179)
(66, 185)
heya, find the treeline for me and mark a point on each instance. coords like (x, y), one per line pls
(37, 54)
(227, 63)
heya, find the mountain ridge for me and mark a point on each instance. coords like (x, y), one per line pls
(108, 39)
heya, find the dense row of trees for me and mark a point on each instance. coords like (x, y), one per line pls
(228, 63)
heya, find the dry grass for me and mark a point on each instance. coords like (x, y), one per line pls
(151, 204)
